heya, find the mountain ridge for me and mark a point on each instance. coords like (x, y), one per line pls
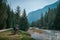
(35, 15)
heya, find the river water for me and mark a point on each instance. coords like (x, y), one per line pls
(46, 35)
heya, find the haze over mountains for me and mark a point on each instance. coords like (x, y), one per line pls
(35, 15)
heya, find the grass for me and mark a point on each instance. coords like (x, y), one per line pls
(7, 35)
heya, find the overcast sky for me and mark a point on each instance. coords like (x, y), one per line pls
(30, 5)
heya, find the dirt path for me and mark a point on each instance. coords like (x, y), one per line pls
(5, 29)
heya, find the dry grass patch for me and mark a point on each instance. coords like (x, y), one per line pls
(7, 35)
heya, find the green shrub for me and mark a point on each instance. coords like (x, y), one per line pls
(27, 38)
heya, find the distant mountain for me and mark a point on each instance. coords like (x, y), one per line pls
(35, 15)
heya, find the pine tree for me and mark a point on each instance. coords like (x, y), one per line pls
(8, 21)
(3, 13)
(24, 22)
(41, 21)
(18, 15)
(56, 25)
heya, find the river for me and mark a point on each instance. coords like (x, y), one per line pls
(46, 35)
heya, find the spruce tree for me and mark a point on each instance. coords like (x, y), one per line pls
(8, 21)
(24, 22)
(56, 25)
(41, 21)
(3, 13)
(18, 15)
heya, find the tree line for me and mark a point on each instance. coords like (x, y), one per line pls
(9, 18)
(51, 19)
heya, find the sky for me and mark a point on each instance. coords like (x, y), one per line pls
(30, 5)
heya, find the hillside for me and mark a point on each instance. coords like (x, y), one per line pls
(35, 15)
